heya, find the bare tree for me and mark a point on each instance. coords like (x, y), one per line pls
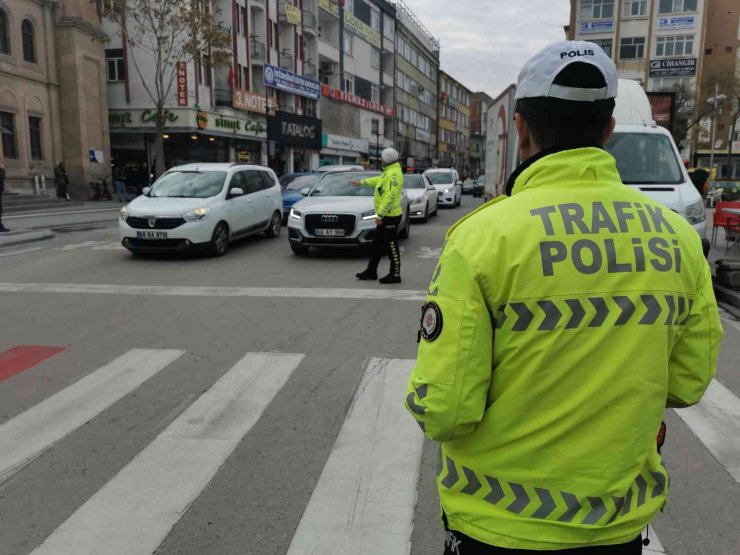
(728, 84)
(160, 33)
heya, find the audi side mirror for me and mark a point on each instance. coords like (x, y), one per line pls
(145, 190)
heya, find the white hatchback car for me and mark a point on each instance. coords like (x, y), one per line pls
(422, 196)
(203, 207)
(448, 185)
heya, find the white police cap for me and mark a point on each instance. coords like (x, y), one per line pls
(537, 75)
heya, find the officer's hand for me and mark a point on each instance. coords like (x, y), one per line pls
(356, 183)
(378, 221)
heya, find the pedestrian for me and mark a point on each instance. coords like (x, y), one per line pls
(560, 323)
(119, 183)
(62, 181)
(3, 229)
(388, 191)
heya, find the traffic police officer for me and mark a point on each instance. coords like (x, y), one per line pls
(560, 323)
(388, 191)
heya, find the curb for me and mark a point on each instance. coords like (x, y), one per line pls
(727, 295)
(18, 216)
(22, 238)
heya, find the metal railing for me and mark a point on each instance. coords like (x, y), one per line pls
(285, 61)
(258, 51)
(260, 2)
(309, 20)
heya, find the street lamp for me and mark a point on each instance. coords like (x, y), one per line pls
(715, 101)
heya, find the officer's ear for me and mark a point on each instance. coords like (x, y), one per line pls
(610, 130)
(527, 146)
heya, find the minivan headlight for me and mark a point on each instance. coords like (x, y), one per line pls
(369, 215)
(123, 213)
(695, 213)
(196, 215)
(295, 214)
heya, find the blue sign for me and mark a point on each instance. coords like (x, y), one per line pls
(288, 81)
(606, 26)
(678, 22)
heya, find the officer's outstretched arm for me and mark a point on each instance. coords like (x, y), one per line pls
(448, 389)
(371, 181)
(693, 362)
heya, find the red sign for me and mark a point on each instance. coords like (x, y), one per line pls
(343, 96)
(182, 84)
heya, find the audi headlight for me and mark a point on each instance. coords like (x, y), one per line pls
(123, 213)
(369, 215)
(695, 213)
(197, 215)
(295, 214)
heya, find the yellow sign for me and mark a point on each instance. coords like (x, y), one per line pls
(292, 14)
(245, 156)
(330, 7)
(368, 33)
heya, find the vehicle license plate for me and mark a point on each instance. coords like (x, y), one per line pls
(330, 233)
(151, 235)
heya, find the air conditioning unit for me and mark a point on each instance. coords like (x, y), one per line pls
(326, 67)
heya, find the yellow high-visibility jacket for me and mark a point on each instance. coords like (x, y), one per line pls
(388, 191)
(560, 323)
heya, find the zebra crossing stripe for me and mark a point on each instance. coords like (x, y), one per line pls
(134, 512)
(376, 457)
(34, 431)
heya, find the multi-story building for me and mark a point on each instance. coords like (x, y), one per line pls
(52, 92)
(721, 58)
(454, 124)
(417, 83)
(478, 110)
(261, 107)
(356, 67)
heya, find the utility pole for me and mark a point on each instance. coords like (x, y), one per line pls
(715, 101)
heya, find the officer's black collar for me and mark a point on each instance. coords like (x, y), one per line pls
(539, 156)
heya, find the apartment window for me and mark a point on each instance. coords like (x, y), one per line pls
(374, 19)
(605, 44)
(374, 93)
(349, 6)
(388, 26)
(375, 58)
(7, 123)
(597, 9)
(4, 33)
(677, 6)
(632, 48)
(634, 8)
(28, 41)
(114, 64)
(675, 45)
(34, 134)
(348, 82)
(205, 71)
(348, 43)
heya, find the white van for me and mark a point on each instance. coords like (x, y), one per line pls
(648, 159)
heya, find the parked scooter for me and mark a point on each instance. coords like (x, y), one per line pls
(99, 189)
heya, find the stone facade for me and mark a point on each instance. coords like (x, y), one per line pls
(52, 92)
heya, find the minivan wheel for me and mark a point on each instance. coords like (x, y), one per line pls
(276, 223)
(220, 240)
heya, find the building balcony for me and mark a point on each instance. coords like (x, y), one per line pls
(285, 61)
(309, 70)
(287, 109)
(258, 3)
(309, 22)
(258, 51)
(284, 5)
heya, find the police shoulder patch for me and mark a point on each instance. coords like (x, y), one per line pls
(431, 321)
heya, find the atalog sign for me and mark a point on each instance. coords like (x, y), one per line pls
(182, 84)
(606, 26)
(673, 67)
(294, 130)
(291, 82)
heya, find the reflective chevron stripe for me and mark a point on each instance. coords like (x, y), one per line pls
(594, 312)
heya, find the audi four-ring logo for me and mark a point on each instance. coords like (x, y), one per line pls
(329, 219)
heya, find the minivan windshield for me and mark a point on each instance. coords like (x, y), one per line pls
(440, 178)
(188, 184)
(645, 159)
(340, 185)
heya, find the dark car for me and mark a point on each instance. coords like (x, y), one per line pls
(292, 185)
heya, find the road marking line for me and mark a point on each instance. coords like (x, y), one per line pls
(187, 291)
(21, 252)
(135, 511)
(65, 213)
(716, 422)
(364, 500)
(18, 359)
(32, 432)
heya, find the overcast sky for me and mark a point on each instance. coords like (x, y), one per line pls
(486, 42)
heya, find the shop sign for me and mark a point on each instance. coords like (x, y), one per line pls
(288, 81)
(423, 136)
(251, 101)
(292, 14)
(344, 143)
(294, 130)
(182, 84)
(605, 26)
(344, 96)
(138, 118)
(365, 31)
(330, 6)
(237, 126)
(244, 156)
(678, 22)
(375, 151)
(673, 67)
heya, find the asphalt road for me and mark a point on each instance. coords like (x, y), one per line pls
(253, 404)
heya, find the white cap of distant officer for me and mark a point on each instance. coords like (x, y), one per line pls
(389, 155)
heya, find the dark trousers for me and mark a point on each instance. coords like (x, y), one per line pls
(1, 209)
(386, 244)
(460, 544)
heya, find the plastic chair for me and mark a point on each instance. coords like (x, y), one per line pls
(732, 233)
(720, 217)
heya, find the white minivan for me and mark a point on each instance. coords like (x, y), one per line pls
(203, 206)
(648, 159)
